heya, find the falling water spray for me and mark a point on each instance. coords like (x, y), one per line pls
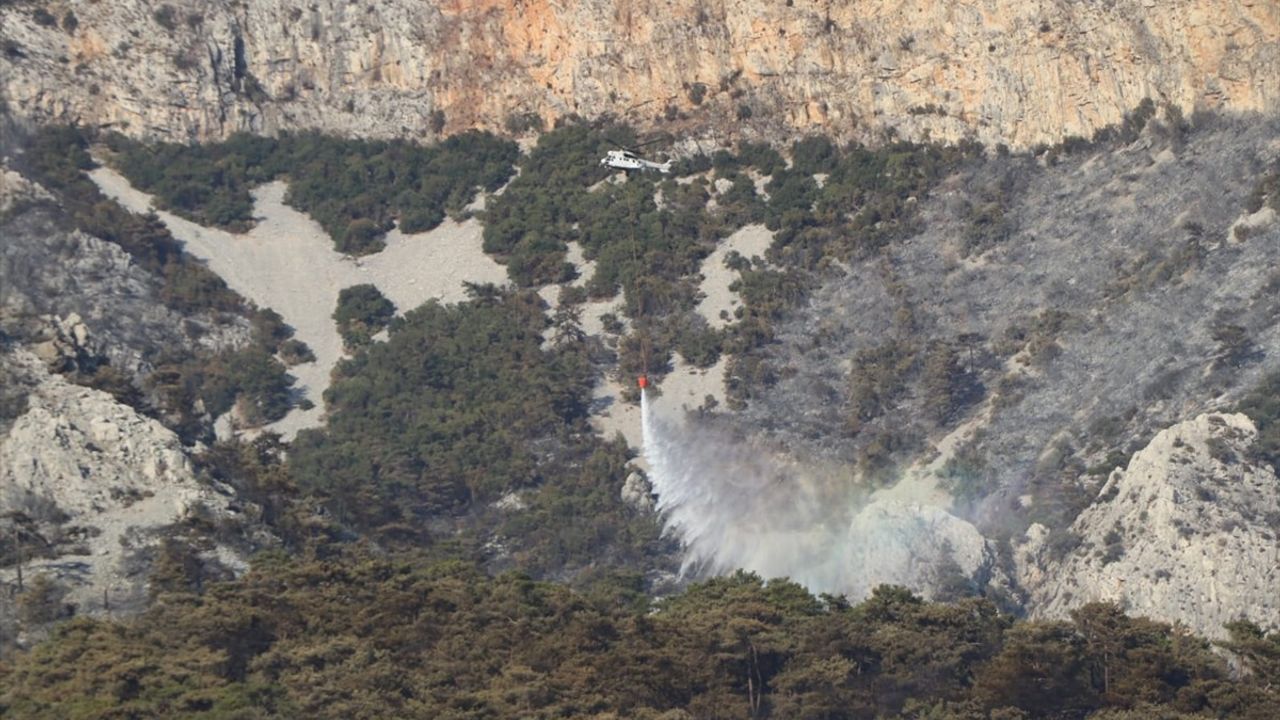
(735, 503)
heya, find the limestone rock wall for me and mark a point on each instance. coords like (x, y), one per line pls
(1187, 533)
(101, 485)
(996, 70)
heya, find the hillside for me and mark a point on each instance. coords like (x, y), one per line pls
(936, 375)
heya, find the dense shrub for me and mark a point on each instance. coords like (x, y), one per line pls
(57, 157)
(362, 311)
(189, 386)
(878, 375)
(166, 17)
(365, 636)
(814, 154)
(1262, 405)
(450, 409)
(43, 17)
(356, 189)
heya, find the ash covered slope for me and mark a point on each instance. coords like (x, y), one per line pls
(1126, 292)
(1000, 71)
(1094, 322)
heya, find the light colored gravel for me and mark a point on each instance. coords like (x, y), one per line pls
(750, 241)
(287, 263)
(685, 387)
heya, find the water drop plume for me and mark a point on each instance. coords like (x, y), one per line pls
(735, 503)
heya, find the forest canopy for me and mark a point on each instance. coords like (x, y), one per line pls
(361, 637)
(356, 189)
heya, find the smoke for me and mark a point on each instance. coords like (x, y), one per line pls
(740, 504)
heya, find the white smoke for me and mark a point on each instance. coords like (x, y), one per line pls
(739, 504)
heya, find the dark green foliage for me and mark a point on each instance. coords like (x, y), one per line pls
(269, 328)
(1131, 127)
(987, 226)
(948, 387)
(760, 156)
(1113, 548)
(251, 379)
(967, 474)
(57, 157)
(814, 154)
(1234, 345)
(575, 521)
(256, 469)
(12, 49)
(356, 189)
(1040, 668)
(1263, 407)
(452, 407)
(698, 344)
(523, 122)
(878, 375)
(869, 198)
(740, 204)
(42, 601)
(791, 197)
(530, 222)
(361, 237)
(295, 352)
(13, 403)
(362, 311)
(1267, 192)
(691, 165)
(697, 92)
(1259, 650)
(364, 637)
(652, 254)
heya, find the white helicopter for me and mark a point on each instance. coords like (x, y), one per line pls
(627, 159)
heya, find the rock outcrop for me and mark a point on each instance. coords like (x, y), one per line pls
(1187, 533)
(68, 346)
(97, 485)
(637, 493)
(996, 70)
(16, 188)
(921, 547)
(79, 300)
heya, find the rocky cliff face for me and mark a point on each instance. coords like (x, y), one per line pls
(96, 487)
(923, 548)
(75, 297)
(996, 70)
(1185, 534)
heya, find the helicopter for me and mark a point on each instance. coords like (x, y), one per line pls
(628, 159)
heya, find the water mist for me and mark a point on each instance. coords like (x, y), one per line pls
(739, 504)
